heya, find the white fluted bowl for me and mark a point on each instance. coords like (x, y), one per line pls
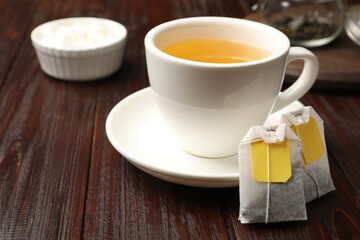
(79, 62)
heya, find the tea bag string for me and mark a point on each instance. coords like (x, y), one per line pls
(268, 173)
(268, 184)
(312, 175)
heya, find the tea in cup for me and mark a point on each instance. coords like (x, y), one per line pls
(217, 50)
(215, 77)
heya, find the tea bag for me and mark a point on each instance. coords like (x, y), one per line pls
(309, 127)
(271, 186)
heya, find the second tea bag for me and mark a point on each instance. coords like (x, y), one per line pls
(271, 187)
(309, 127)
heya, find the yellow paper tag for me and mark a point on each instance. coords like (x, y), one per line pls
(313, 146)
(280, 162)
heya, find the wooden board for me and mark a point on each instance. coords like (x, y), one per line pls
(339, 63)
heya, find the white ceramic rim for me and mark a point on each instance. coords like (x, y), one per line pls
(119, 27)
(128, 155)
(153, 33)
(151, 169)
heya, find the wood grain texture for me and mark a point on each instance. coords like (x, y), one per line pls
(60, 178)
(46, 129)
(14, 23)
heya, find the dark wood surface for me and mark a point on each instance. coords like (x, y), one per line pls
(61, 179)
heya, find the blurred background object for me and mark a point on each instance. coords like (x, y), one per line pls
(352, 24)
(334, 21)
(308, 23)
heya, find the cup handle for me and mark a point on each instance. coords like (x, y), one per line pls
(303, 84)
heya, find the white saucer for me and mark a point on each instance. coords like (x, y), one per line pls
(135, 129)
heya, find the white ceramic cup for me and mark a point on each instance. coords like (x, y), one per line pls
(209, 107)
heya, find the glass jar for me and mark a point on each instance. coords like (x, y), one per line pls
(308, 23)
(352, 24)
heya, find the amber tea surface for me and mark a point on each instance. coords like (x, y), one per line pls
(216, 51)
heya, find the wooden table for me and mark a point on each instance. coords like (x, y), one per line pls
(61, 178)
